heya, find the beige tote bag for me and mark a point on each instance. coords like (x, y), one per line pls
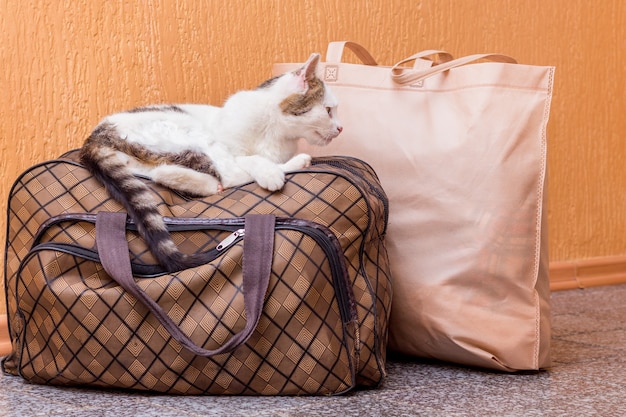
(460, 148)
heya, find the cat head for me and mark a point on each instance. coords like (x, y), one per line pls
(307, 104)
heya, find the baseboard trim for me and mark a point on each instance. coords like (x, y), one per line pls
(564, 275)
(583, 273)
(5, 341)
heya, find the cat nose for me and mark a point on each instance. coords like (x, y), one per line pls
(340, 129)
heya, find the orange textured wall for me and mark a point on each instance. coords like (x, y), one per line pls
(66, 64)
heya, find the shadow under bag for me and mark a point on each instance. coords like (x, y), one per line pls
(294, 300)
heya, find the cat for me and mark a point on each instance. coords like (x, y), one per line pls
(201, 149)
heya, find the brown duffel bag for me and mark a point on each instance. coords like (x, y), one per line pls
(295, 301)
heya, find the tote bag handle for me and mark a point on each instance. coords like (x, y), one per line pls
(335, 50)
(402, 75)
(439, 57)
(257, 264)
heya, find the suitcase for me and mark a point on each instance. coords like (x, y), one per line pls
(321, 319)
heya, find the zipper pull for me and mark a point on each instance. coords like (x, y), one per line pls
(230, 239)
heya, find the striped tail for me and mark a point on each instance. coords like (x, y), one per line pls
(101, 159)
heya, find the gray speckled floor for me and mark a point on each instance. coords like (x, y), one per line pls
(588, 379)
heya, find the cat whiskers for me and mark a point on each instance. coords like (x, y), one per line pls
(325, 139)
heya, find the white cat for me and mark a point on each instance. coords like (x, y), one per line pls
(202, 149)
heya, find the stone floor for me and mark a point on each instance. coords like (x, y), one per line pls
(588, 379)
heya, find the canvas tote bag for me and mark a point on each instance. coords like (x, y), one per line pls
(460, 148)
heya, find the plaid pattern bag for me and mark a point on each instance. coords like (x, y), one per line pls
(295, 301)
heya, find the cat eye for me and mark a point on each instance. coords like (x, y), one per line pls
(329, 110)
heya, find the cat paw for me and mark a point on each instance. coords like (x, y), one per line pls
(209, 187)
(271, 181)
(299, 161)
(304, 159)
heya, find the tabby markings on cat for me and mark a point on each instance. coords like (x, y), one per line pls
(201, 149)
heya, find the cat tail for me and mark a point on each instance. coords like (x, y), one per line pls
(136, 197)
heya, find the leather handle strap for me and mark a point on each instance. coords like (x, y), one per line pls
(423, 68)
(402, 75)
(426, 59)
(257, 265)
(335, 51)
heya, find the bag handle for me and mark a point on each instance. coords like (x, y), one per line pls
(403, 76)
(439, 58)
(257, 265)
(335, 51)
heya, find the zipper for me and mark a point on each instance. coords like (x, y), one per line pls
(230, 240)
(325, 238)
(335, 259)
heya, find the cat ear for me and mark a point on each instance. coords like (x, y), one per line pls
(307, 71)
(310, 66)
